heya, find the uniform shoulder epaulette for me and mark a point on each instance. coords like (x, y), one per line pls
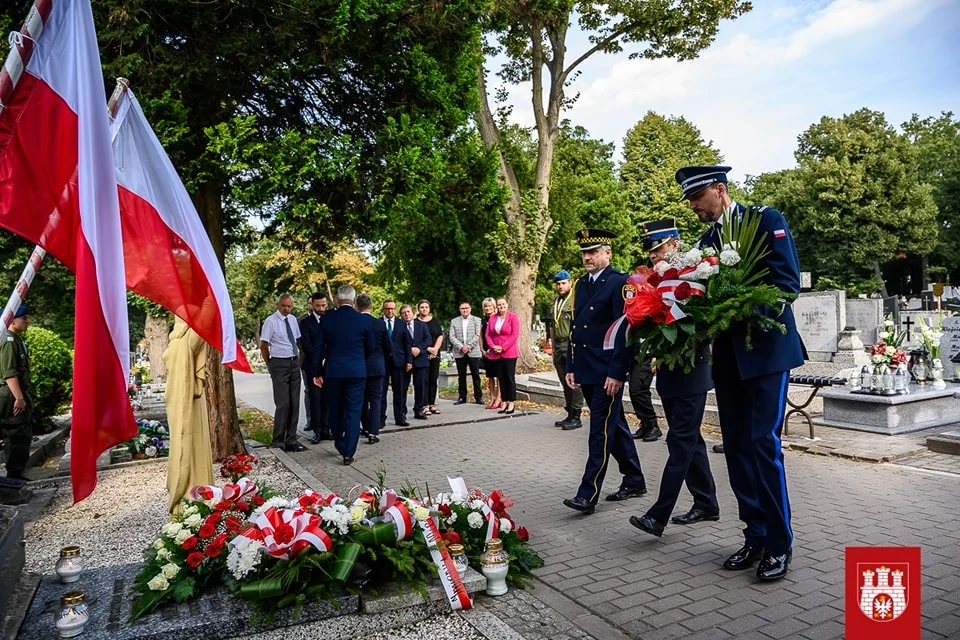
(9, 338)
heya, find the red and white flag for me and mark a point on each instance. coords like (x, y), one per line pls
(168, 256)
(58, 189)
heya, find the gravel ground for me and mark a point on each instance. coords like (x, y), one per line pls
(122, 516)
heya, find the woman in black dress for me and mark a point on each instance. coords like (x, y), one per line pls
(490, 366)
(436, 334)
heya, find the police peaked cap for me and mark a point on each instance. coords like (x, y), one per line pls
(694, 179)
(592, 238)
(656, 233)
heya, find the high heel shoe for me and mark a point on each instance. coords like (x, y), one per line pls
(511, 410)
(494, 406)
(504, 410)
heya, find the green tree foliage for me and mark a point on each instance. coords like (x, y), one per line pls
(938, 142)
(653, 150)
(856, 200)
(51, 294)
(51, 372)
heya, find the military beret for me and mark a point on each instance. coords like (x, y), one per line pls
(22, 310)
(563, 274)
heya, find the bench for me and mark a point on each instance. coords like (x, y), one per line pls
(817, 382)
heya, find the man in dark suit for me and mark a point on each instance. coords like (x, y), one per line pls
(684, 397)
(345, 342)
(390, 321)
(376, 373)
(751, 385)
(312, 394)
(599, 367)
(415, 339)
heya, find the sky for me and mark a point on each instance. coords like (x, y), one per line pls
(772, 73)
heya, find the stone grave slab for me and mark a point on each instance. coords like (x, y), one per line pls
(950, 348)
(946, 442)
(215, 615)
(820, 316)
(866, 314)
(923, 408)
(12, 555)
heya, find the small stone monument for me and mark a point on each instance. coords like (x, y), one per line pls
(950, 348)
(820, 316)
(850, 351)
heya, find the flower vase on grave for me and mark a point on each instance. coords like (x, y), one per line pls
(936, 374)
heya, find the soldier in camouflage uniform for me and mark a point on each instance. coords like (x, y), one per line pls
(15, 402)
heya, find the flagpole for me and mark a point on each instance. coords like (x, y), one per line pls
(36, 258)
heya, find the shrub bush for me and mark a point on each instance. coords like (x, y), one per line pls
(51, 373)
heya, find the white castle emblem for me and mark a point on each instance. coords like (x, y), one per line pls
(883, 596)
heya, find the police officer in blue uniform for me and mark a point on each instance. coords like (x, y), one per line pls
(684, 397)
(751, 385)
(599, 365)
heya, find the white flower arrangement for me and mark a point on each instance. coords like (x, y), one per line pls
(475, 520)
(244, 557)
(704, 271)
(692, 258)
(729, 257)
(158, 583)
(169, 571)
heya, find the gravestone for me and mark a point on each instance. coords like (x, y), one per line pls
(950, 348)
(805, 280)
(820, 316)
(891, 309)
(865, 314)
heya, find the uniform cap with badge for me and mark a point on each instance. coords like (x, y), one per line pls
(658, 232)
(693, 180)
(592, 238)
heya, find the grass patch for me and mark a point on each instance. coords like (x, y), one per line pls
(256, 425)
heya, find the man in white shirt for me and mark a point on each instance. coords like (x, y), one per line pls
(280, 349)
(465, 339)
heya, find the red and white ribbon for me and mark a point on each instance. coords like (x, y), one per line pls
(449, 576)
(610, 339)
(286, 532)
(211, 495)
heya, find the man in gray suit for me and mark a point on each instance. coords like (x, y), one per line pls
(465, 340)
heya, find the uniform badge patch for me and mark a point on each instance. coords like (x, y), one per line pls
(883, 592)
(780, 233)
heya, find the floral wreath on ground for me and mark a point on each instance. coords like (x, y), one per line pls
(280, 552)
(694, 294)
(151, 441)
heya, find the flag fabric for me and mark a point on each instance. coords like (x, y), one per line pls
(58, 189)
(168, 256)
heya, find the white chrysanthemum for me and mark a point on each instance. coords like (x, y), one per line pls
(890, 350)
(505, 526)
(158, 583)
(661, 267)
(337, 515)
(704, 271)
(244, 556)
(277, 502)
(183, 535)
(709, 252)
(171, 529)
(169, 571)
(194, 521)
(158, 544)
(729, 257)
(475, 520)
(692, 258)
(452, 518)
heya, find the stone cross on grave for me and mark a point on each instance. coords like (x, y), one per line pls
(908, 323)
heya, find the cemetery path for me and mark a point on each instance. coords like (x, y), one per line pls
(614, 581)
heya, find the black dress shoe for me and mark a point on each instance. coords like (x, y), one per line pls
(371, 439)
(324, 435)
(560, 423)
(314, 440)
(653, 436)
(581, 505)
(508, 412)
(648, 524)
(295, 447)
(571, 423)
(347, 461)
(696, 514)
(743, 558)
(460, 402)
(420, 416)
(624, 493)
(718, 448)
(403, 423)
(774, 567)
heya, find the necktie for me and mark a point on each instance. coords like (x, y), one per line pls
(390, 327)
(410, 327)
(293, 341)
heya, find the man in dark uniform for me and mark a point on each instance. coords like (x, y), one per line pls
(599, 366)
(684, 398)
(751, 385)
(312, 394)
(15, 402)
(373, 394)
(562, 308)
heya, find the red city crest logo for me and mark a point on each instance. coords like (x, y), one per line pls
(883, 590)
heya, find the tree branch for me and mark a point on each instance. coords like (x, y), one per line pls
(491, 140)
(597, 47)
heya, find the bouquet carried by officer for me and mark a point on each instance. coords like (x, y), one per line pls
(697, 292)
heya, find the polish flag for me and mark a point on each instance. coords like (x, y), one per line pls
(58, 190)
(167, 254)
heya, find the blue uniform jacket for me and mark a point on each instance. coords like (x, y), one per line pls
(772, 351)
(596, 308)
(376, 360)
(345, 341)
(675, 383)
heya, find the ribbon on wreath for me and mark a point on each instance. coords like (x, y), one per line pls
(287, 532)
(233, 492)
(446, 569)
(675, 293)
(458, 485)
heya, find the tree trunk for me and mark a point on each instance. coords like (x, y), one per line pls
(883, 283)
(225, 436)
(158, 337)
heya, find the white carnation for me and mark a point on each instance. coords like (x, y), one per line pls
(729, 257)
(505, 526)
(704, 271)
(475, 520)
(730, 246)
(171, 529)
(692, 258)
(169, 571)
(477, 504)
(452, 518)
(458, 499)
(709, 252)
(244, 556)
(158, 583)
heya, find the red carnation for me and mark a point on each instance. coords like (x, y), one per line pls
(194, 559)
(445, 510)
(683, 290)
(523, 534)
(283, 534)
(207, 531)
(671, 274)
(257, 501)
(190, 543)
(451, 537)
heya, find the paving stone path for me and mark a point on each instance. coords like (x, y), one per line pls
(608, 580)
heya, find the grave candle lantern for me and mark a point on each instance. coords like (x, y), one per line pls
(73, 615)
(69, 565)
